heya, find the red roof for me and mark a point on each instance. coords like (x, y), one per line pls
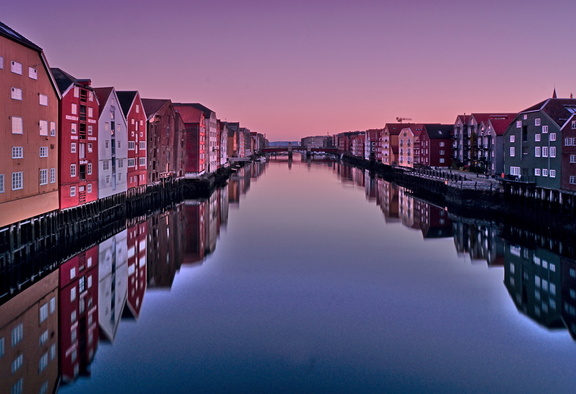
(102, 95)
(189, 113)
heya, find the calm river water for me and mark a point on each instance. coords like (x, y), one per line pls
(311, 277)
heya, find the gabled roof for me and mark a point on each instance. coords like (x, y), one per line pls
(485, 117)
(63, 79)
(207, 111)
(102, 95)
(439, 131)
(395, 128)
(126, 98)
(557, 109)
(188, 112)
(500, 125)
(152, 106)
(463, 118)
(416, 129)
(10, 34)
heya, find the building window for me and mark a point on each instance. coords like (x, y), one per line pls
(142, 161)
(16, 94)
(552, 151)
(512, 138)
(537, 122)
(1, 63)
(73, 147)
(131, 162)
(105, 165)
(72, 191)
(107, 179)
(52, 129)
(552, 173)
(518, 124)
(544, 172)
(74, 107)
(142, 145)
(89, 188)
(90, 130)
(43, 362)
(17, 152)
(537, 137)
(43, 99)
(43, 127)
(544, 151)
(73, 293)
(89, 168)
(573, 125)
(552, 136)
(72, 170)
(1, 347)
(18, 387)
(537, 151)
(537, 171)
(17, 363)
(76, 91)
(121, 163)
(131, 145)
(106, 144)
(572, 158)
(43, 313)
(17, 180)
(512, 151)
(544, 129)
(52, 175)
(573, 179)
(73, 128)
(32, 73)
(514, 170)
(89, 147)
(17, 125)
(137, 108)
(1, 183)
(16, 67)
(90, 112)
(43, 151)
(17, 334)
(44, 176)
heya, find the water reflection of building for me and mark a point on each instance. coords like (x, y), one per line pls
(371, 187)
(29, 339)
(165, 246)
(195, 214)
(409, 216)
(137, 277)
(533, 279)
(479, 241)
(568, 309)
(388, 201)
(78, 310)
(434, 221)
(112, 283)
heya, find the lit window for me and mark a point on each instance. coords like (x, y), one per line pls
(552, 151)
(544, 151)
(73, 128)
(537, 171)
(90, 112)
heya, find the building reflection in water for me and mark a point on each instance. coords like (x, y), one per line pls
(49, 331)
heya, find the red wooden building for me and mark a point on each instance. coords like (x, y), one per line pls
(78, 308)
(78, 140)
(195, 140)
(137, 151)
(436, 145)
(568, 170)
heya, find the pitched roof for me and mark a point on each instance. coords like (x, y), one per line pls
(102, 95)
(63, 79)
(207, 111)
(395, 128)
(464, 118)
(126, 98)
(9, 33)
(188, 112)
(485, 117)
(152, 106)
(500, 125)
(438, 131)
(557, 109)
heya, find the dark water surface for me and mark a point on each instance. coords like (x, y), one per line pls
(316, 278)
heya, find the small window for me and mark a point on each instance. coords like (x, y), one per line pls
(572, 158)
(573, 179)
(32, 73)
(72, 170)
(43, 313)
(1, 191)
(74, 107)
(536, 137)
(17, 334)
(544, 151)
(73, 147)
(90, 112)
(512, 138)
(537, 122)
(537, 171)
(44, 176)
(52, 175)
(72, 191)
(1, 63)
(519, 124)
(73, 128)
(17, 152)
(552, 173)
(17, 125)
(544, 172)
(544, 129)
(552, 136)
(43, 127)
(16, 67)
(89, 188)
(552, 151)
(512, 151)
(573, 124)
(43, 151)
(16, 94)
(89, 168)
(43, 99)
(52, 129)
(76, 91)
(537, 151)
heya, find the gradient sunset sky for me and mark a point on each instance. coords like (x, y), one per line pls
(296, 68)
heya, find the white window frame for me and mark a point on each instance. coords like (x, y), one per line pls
(552, 151)
(537, 151)
(537, 137)
(518, 124)
(537, 122)
(16, 67)
(43, 176)
(72, 191)
(43, 151)
(18, 180)
(544, 129)
(52, 175)
(43, 100)
(552, 137)
(17, 152)
(32, 73)
(552, 173)
(537, 171)
(16, 93)
(43, 127)
(73, 170)
(512, 151)
(17, 125)
(72, 147)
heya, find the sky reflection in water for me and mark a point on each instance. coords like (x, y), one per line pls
(311, 289)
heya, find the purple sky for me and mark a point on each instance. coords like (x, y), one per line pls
(295, 68)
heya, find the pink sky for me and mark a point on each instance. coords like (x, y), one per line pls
(291, 69)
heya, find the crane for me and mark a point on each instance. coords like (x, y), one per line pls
(399, 119)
